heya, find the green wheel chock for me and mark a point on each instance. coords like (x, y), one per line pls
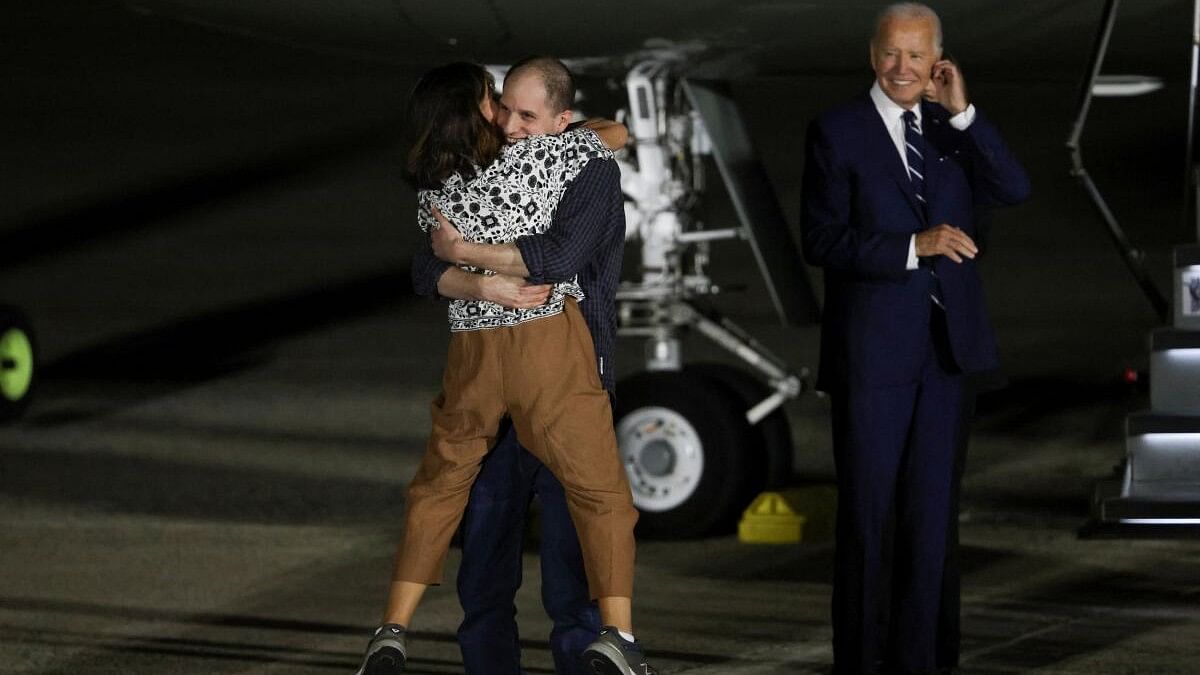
(16, 364)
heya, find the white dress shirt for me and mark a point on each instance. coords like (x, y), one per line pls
(892, 115)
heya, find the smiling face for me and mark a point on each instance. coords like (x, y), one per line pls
(525, 109)
(902, 55)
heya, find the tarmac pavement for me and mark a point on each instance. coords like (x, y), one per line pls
(244, 524)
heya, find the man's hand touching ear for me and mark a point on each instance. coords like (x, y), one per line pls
(947, 87)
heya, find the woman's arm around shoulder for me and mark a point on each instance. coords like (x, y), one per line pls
(613, 134)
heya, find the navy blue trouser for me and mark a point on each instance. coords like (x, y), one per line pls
(490, 572)
(894, 449)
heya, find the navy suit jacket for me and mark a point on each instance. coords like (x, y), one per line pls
(859, 213)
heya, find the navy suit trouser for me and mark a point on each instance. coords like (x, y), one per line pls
(490, 573)
(894, 450)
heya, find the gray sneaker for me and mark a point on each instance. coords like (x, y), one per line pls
(612, 654)
(386, 652)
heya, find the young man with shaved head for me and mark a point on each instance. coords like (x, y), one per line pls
(893, 181)
(586, 239)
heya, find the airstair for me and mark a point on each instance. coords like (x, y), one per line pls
(1156, 489)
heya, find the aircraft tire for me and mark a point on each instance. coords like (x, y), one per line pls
(683, 437)
(18, 363)
(771, 462)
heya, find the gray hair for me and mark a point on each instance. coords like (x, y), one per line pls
(909, 10)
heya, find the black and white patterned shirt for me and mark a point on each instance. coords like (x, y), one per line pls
(517, 195)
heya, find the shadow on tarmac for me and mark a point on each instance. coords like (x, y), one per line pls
(241, 651)
(180, 489)
(123, 646)
(214, 344)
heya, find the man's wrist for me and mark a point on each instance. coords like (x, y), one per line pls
(500, 258)
(963, 119)
(480, 287)
(470, 253)
(456, 283)
(458, 252)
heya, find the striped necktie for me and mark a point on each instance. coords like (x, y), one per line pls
(914, 151)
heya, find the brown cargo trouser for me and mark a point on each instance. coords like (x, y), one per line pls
(543, 374)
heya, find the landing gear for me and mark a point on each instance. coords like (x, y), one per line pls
(770, 445)
(682, 436)
(17, 363)
(700, 441)
(694, 461)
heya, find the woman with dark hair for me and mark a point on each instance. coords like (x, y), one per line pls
(450, 125)
(535, 365)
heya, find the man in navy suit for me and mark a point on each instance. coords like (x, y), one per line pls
(893, 182)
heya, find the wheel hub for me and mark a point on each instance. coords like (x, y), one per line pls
(658, 458)
(663, 455)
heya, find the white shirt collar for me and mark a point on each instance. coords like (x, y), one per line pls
(888, 109)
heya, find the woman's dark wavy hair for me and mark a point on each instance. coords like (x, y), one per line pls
(447, 133)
